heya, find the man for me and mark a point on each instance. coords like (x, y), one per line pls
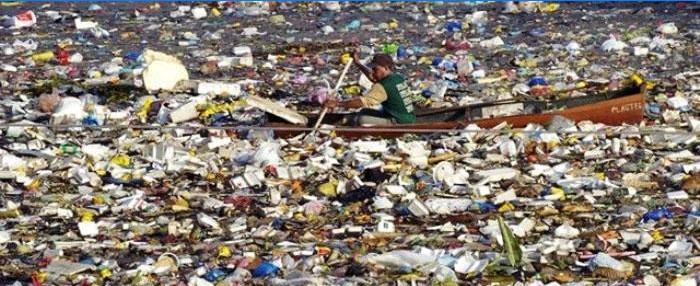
(389, 90)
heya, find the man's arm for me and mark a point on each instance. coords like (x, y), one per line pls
(355, 102)
(375, 96)
(364, 69)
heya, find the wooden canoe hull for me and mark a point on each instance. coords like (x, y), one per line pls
(622, 110)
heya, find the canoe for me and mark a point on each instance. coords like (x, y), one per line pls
(625, 106)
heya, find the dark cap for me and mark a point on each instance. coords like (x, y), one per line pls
(382, 60)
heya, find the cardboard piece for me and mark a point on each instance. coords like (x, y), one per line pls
(277, 109)
(67, 268)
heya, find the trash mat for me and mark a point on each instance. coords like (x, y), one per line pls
(136, 148)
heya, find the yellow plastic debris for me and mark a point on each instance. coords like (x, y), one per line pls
(424, 60)
(211, 109)
(657, 236)
(34, 185)
(352, 90)
(180, 204)
(299, 216)
(215, 12)
(105, 273)
(121, 160)
(14, 213)
(121, 245)
(328, 189)
(391, 168)
(552, 144)
(600, 176)
(558, 193)
(345, 59)
(86, 217)
(648, 85)
(277, 19)
(143, 113)
(224, 251)
(41, 276)
(528, 63)
(506, 207)
(43, 57)
(23, 249)
(549, 8)
(126, 177)
(571, 140)
(98, 200)
(393, 25)
(21, 171)
(637, 79)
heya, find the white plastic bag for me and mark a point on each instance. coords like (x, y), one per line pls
(267, 154)
(403, 260)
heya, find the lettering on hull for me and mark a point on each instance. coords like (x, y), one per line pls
(627, 107)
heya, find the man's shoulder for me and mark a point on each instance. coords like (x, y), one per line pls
(394, 78)
(398, 76)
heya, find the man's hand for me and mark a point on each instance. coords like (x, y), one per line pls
(365, 70)
(332, 104)
(356, 56)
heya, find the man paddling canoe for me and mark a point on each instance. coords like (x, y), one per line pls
(389, 90)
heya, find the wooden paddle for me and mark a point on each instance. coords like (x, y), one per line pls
(331, 95)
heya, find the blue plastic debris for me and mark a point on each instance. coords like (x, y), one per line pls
(653, 109)
(453, 26)
(486, 207)
(537, 81)
(657, 215)
(277, 223)
(132, 56)
(264, 270)
(90, 121)
(401, 53)
(215, 275)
